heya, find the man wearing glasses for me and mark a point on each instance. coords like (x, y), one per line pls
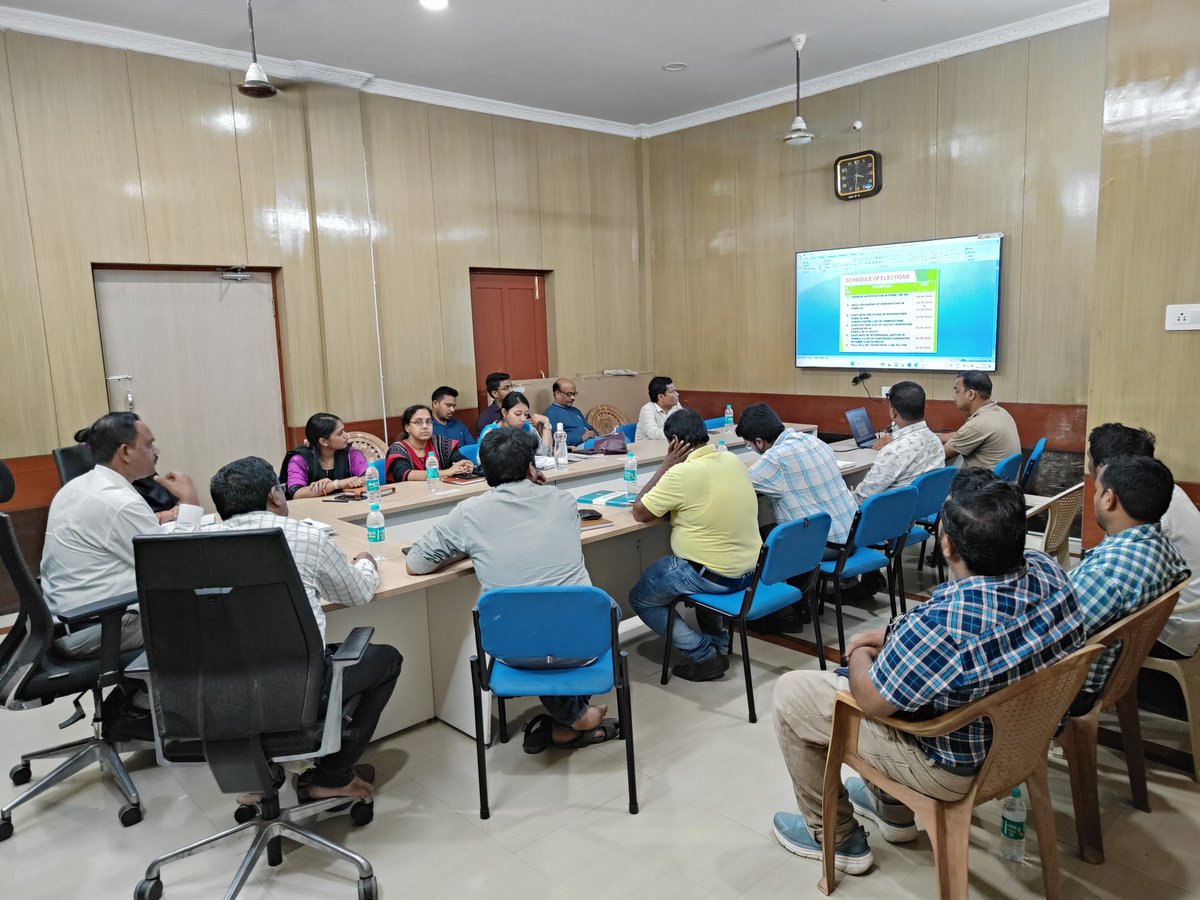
(563, 411)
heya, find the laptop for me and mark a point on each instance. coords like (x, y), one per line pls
(861, 430)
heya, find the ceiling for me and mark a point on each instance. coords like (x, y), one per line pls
(598, 59)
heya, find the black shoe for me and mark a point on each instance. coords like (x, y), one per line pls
(873, 583)
(786, 621)
(711, 669)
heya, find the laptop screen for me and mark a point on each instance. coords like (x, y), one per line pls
(860, 426)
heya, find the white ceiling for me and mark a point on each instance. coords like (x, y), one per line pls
(597, 59)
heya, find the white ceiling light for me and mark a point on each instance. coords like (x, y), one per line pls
(256, 84)
(675, 67)
(435, 4)
(799, 133)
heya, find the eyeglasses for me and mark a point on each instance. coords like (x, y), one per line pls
(420, 421)
(569, 393)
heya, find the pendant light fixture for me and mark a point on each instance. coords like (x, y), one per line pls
(799, 133)
(256, 84)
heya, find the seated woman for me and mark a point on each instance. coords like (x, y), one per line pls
(325, 463)
(514, 413)
(406, 458)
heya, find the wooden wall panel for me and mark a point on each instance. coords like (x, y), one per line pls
(1062, 170)
(980, 174)
(620, 317)
(80, 166)
(666, 260)
(518, 206)
(24, 363)
(406, 249)
(464, 196)
(1149, 229)
(564, 179)
(184, 122)
(339, 201)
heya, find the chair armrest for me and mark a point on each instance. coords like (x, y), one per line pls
(139, 668)
(939, 725)
(93, 610)
(351, 650)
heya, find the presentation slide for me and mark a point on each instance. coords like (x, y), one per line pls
(924, 305)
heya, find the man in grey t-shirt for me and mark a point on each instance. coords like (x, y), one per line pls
(521, 533)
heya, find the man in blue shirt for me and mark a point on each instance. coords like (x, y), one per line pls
(445, 401)
(1008, 613)
(1133, 564)
(563, 410)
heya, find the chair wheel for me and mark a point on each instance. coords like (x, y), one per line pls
(148, 889)
(20, 774)
(6, 830)
(368, 888)
(361, 813)
(130, 815)
(245, 812)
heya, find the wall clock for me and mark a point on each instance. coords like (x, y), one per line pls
(857, 175)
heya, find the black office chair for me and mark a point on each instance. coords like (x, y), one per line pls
(32, 675)
(72, 461)
(236, 667)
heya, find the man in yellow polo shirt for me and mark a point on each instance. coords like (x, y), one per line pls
(714, 541)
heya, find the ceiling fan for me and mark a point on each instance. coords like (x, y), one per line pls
(257, 84)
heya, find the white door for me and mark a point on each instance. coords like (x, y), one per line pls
(197, 357)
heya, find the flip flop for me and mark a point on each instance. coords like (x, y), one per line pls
(364, 771)
(539, 733)
(608, 728)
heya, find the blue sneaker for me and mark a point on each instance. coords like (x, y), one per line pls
(853, 854)
(895, 820)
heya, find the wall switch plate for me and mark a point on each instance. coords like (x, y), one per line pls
(885, 390)
(1183, 317)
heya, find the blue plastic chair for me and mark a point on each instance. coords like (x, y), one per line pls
(883, 521)
(932, 490)
(471, 452)
(718, 422)
(1009, 467)
(541, 622)
(380, 467)
(792, 549)
(630, 431)
(1031, 464)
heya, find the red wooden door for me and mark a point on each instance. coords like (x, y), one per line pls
(508, 316)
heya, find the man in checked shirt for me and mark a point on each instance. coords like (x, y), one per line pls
(1007, 613)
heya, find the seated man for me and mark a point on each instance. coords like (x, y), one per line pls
(521, 533)
(989, 434)
(562, 411)
(93, 519)
(1180, 523)
(911, 450)
(247, 495)
(1133, 564)
(664, 400)
(714, 541)
(1008, 613)
(445, 401)
(497, 385)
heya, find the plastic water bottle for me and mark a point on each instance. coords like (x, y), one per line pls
(372, 483)
(729, 418)
(721, 448)
(374, 525)
(432, 477)
(560, 448)
(630, 476)
(1012, 827)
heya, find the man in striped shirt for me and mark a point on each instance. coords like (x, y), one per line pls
(1008, 613)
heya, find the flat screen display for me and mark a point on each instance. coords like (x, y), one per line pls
(923, 305)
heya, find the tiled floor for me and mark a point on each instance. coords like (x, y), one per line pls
(708, 782)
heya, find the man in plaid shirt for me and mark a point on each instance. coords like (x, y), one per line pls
(1133, 564)
(1008, 613)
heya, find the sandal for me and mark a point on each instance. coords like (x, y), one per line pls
(539, 733)
(364, 771)
(605, 731)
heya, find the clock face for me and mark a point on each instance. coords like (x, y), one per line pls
(857, 175)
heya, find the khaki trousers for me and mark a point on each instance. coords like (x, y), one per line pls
(85, 642)
(803, 723)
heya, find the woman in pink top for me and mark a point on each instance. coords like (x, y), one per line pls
(325, 463)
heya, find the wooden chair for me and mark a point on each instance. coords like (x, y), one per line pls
(1136, 634)
(1060, 516)
(1024, 717)
(604, 418)
(1187, 673)
(367, 444)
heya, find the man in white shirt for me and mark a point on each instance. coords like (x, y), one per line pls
(911, 449)
(247, 495)
(664, 400)
(93, 519)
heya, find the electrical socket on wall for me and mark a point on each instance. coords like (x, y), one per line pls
(1183, 317)
(883, 391)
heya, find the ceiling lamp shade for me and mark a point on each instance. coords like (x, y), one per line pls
(799, 133)
(256, 84)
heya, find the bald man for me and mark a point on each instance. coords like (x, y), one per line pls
(563, 410)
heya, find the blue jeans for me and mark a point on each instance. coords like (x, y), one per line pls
(672, 577)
